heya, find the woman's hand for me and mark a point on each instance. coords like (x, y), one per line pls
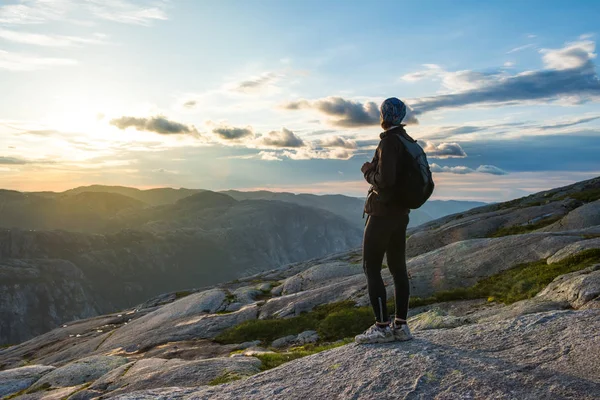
(366, 166)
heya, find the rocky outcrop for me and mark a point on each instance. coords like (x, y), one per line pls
(15, 380)
(574, 206)
(546, 355)
(581, 217)
(462, 264)
(579, 289)
(573, 249)
(153, 373)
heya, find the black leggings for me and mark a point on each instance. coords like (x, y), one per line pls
(386, 235)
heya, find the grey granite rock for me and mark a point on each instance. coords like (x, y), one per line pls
(319, 275)
(153, 373)
(574, 248)
(549, 355)
(17, 379)
(576, 288)
(81, 371)
(307, 337)
(582, 217)
(284, 341)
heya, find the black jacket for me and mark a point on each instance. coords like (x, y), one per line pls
(388, 164)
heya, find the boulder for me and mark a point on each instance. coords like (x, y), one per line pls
(79, 372)
(284, 341)
(297, 303)
(17, 379)
(573, 249)
(577, 288)
(319, 275)
(582, 217)
(307, 337)
(246, 294)
(152, 373)
(246, 345)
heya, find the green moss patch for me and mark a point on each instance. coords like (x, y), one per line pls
(225, 378)
(587, 196)
(520, 229)
(332, 322)
(273, 360)
(518, 283)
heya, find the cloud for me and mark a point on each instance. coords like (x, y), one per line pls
(490, 169)
(123, 11)
(520, 48)
(11, 161)
(444, 150)
(24, 62)
(256, 83)
(190, 104)
(569, 74)
(573, 56)
(269, 156)
(33, 11)
(338, 141)
(232, 133)
(47, 40)
(127, 12)
(346, 113)
(569, 123)
(483, 169)
(158, 124)
(283, 138)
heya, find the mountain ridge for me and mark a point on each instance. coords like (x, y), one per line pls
(512, 313)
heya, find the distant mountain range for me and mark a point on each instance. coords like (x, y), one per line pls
(96, 249)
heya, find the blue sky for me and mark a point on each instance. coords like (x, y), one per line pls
(283, 95)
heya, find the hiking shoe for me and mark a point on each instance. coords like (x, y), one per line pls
(401, 332)
(376, 334)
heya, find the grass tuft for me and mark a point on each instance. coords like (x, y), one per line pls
(225, 378)
(587, 196)
(520, 229)
(272, 360)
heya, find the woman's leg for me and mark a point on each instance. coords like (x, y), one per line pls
(396, 258)
(375, 241)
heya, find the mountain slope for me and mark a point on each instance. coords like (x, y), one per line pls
(351, 208)
(201, 240)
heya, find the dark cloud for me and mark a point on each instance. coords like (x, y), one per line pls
(190, 104)
(443, 150)
(580, 83)
(570, 123)
(347, 113)
(338, 142)
(12, 161)
(232, 133)
(257, 83)
(284, 138)
(158, 124)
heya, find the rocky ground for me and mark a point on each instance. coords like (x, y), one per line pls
(172, 346)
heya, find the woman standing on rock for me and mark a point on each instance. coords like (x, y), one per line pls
(385, 230)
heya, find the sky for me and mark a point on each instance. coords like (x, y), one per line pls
(504, 96)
